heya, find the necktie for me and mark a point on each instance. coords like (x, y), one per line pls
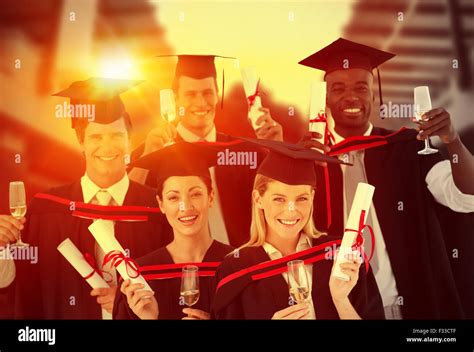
(352, 176)
(216, 217)
(104, 198)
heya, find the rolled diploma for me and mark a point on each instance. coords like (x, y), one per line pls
(77, 260)
(250, 81)
(317, 105)
(103, 232)
(362, 201)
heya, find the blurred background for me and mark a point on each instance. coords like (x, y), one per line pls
(45, 45)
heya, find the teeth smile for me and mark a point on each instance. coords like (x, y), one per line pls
(352, 110)
(187, 218)
(200, 113)
(107, 158)
(288, 222)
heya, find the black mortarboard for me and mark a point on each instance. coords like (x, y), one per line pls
(290, 163)
(104, 93)
(345, 54)
(179, 159)
(198, 67)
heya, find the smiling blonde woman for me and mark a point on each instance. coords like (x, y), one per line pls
(253, 280)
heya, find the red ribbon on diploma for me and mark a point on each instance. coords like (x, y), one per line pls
(89, 259)
(95, 269)
(359, 242)
(322, 117)
(252, 98)
(117, 257)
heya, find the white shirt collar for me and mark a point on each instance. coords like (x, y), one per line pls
(339, 138)
(304, 242)
(189, 136)
(118, 191)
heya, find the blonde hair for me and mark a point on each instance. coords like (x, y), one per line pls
(258, 226)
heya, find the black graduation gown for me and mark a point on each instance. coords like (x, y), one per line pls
(414, 237)
(52, 288)
(167, 291)
(234, 184)
(263, 298)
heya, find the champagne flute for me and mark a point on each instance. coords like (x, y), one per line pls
(168, 107)
(422, 105)
(190, 285)
(298, 281)
(18, 206)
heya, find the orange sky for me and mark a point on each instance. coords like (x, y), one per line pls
(271, 35)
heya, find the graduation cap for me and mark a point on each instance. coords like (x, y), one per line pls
(345, 54)
(179, 159)
(103, 93)
(290, 163)
(198, 67)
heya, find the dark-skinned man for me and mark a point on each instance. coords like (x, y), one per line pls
(415, 195)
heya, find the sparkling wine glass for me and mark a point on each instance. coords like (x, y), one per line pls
(422, 105)
(298, 281)
(167, 105)
(190, 285)
(18, 206)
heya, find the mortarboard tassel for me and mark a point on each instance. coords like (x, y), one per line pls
(380, 87)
